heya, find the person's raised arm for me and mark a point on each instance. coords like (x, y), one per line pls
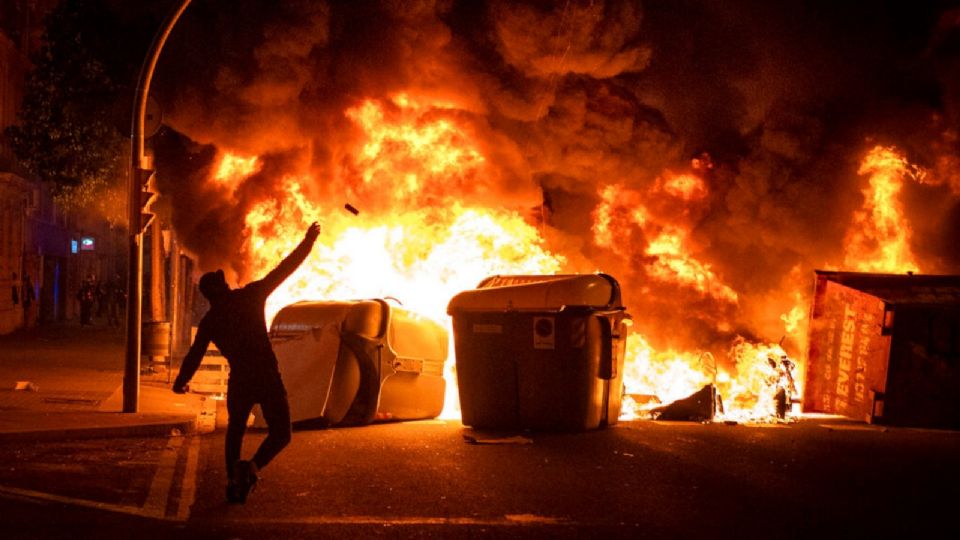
(191, 362)
(286, 267)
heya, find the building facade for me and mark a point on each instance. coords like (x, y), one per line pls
(44, 253)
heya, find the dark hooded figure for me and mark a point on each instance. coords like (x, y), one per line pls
(87, 295)
(235, 323)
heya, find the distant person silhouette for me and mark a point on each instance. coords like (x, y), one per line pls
(236, 325)
(116, 298)
(87, 295)
(27, 299)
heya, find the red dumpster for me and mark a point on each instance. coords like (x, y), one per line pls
(884, 348)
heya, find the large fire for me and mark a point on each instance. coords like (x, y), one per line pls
(419, 240)
(879, 237)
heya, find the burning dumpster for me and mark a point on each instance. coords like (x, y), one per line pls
(540, 352)
(350, 363)
(885, 348)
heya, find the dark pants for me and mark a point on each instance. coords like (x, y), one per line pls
(86, 312)
(272, 397)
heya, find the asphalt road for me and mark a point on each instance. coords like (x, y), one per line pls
(816, 478)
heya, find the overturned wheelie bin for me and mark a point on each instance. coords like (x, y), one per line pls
(348, 363)
(541, 352)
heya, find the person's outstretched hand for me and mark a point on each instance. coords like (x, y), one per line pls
(313, 231)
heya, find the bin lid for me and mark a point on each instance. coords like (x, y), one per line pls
(362, 317)
(406, 334)
(539, 292)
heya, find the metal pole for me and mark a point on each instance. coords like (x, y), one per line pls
(131, 372)
(173, 306)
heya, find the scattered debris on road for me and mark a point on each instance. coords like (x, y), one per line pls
(481, 439)
(26, 386)
(701, 406)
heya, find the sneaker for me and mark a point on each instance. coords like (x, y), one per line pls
(243, 481)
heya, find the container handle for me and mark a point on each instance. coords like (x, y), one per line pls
(608, 368)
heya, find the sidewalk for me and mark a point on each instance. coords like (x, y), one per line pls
(71, 381)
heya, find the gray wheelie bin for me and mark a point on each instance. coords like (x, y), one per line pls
(540, 352)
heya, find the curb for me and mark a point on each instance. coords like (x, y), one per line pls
(185, 425)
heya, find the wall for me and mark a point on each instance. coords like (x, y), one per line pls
(34, 234)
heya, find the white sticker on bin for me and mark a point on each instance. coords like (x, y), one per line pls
(487, 329)
(544, 333)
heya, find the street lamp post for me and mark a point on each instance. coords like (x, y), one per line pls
(138, 175)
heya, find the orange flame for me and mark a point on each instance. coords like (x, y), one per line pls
(622, 210)
(685, 186)
(417, 166)
(233, 169)
(672, 263)
(419, 254)
(412, 154)
(668, 375)
(879, 238)
(748, 393)
(752, 393)
(623, 224)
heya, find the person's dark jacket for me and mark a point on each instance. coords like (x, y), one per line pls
(236, 325)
